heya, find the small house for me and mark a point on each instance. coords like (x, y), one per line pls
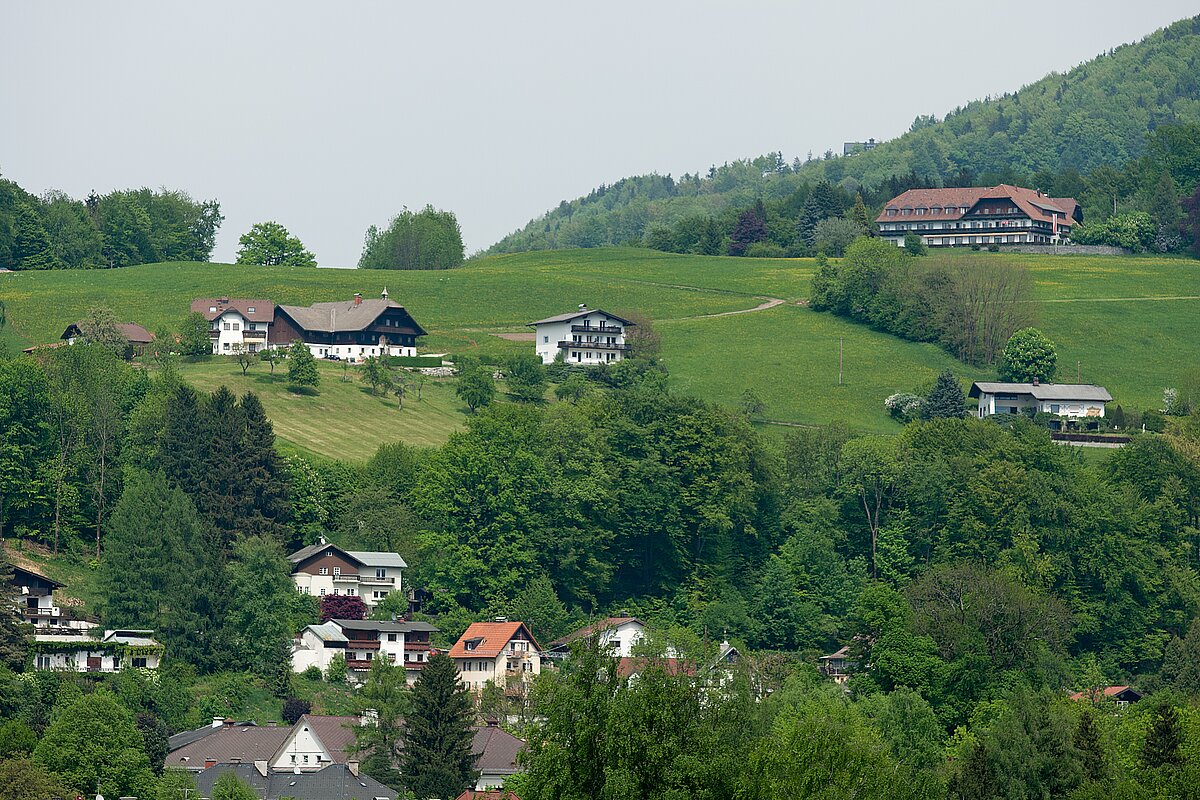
(1071, 400)
(1121, 695)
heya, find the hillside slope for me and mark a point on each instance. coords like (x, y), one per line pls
(1098, 113)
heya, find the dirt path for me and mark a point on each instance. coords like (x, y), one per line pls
(1118, 299)
(770, 302)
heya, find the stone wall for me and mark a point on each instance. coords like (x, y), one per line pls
(1065, 250)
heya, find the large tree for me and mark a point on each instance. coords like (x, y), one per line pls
(270, 244)
(14, 634)
(437, 759)
(94, 743)
(427, 239)
(1028, 356)
(302, 367)
(946, 399)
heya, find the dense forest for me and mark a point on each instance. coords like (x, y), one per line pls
(118, 229)
(977, 571)
(1065, 134)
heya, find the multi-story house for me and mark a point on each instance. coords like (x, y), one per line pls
(33, 594)
(349, 330)
(236, 324)
(980, 216)
(502, 652)
(618, 636)
(361, 642)
(326, 569)
(96, 651)
(585, 336)
(1072, 400)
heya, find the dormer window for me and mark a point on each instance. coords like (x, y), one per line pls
(921, 211)
(891, 212)
(935, 210)
(250, 309)
(212, 309)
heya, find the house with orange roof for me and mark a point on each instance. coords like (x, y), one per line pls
(502, 652)
(1121, 695)
(979, 216)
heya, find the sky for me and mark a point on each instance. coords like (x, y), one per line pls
(330, 117)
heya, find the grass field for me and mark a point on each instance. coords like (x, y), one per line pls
(1129, 323)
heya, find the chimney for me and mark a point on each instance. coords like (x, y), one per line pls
(493, 722)
(1035, 381)
(384, 295)
(358, 298)
(351, 765)
(261, 766)
(218, 722)
(210, 762)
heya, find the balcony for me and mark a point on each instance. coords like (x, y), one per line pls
(363, 644)
(377, 580)
(214, 334)
(424, 646)
(254, 334)
(604, 330)
(591, 346)
(344, 577)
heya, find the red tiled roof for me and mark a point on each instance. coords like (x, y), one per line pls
(264, 310)
(1031, 202)
(493, 637)
(488, 794)
(594, 628)
(1107, 691)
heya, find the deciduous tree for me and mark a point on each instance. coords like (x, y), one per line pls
(1027, 357)
(269, 244)
(302, 367)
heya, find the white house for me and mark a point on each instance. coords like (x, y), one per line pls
(618, 637)
(112, 651)
(236, 323)
(586, 336)
(351, 330)
(315, 742)
(502, 652)
(325, 569)
(362, 641)
(1074, 400)
(978, 215)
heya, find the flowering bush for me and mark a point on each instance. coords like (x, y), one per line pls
(903, 406)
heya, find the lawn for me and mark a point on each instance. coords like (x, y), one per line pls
(341, 419)
(1111, 316)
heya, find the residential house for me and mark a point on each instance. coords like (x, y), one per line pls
(502, 652)
(1072, 400)
(333, 782)
(322, 569)
(618, 636)
(837, 665)
(350, 330)
(237, 323)
(585, 336)
(496, 751)
(1121, 695)
(138, 337)
(853, 148)
(93, 651)
(33, 594)
(362, 641)
(488, 794)
(979, 216)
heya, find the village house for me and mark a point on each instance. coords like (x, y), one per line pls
(618, 636)
(585, 336)
(325, 569)
(360, 642)
(236, 324)
(1121, 695)
(33, 595)
(837, 665)
(351, 330)
(978, 216)
(496, 751)
(502, 652)
(1072, 400)
(96, 651)
(138, 337)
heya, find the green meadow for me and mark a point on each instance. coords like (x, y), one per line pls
(1129, 323)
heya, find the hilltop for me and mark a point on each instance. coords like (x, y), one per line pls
(1097, 114)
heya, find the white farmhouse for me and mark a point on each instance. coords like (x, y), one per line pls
(586, 336)
(112, 651)
(237, 323)
(1074, 400)
(361, 642)
(351, 330)
(325, 569)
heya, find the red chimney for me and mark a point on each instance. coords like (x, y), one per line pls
(358, 298)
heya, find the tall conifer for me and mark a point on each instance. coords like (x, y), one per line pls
(437, 759)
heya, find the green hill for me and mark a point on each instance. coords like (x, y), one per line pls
(1097, 114)
(1126, 322)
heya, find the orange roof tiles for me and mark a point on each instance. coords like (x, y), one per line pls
(493, 637)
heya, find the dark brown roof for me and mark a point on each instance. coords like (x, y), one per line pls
(224, 744)
(133, 333)
(593, 629)
(671, 666)
(488, 794)
(346, 315)
(495, 749)
(264, 310)
(17, 570)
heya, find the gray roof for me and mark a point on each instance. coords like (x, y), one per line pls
(495, 749)
(334, 782)
(343, 315)
(386, 625)
(380, 559)
(327, 632)
(178, 740)
(576, 314)
(1044, 391)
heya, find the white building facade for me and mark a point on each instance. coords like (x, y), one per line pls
(586, 336)
(236, 324)
(325, 569)
(352, 330)
(113, 651)
(504, 653)
(1071, 400)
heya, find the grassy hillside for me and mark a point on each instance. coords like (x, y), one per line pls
(1098, 113)
(1129, 322)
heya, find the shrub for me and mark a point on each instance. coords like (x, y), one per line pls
(337, 669)
(993, 248)
(294, 708)
(414, 361)
(765, 250)
(903, 406)
(313, 673)
(1154, 421)
(914, 245)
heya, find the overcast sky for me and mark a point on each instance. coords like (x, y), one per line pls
(328, 117)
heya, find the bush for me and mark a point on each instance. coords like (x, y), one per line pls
(337, 670)
(294, 708)
(993, 248)
(1154, 420)
(765, 250)
(903, 406)
(914, 245)
(313, 673)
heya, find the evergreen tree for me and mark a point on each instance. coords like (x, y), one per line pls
(823, 202)
(14, 634)
(384, 700)
(538, 606)
(220, 485)
(302, 367)
(711, 238)
(946, 400)
(437, 760)
(263, 505)
(861, 215)
(751, 227)
(1164, 739)
(184, 451)
(1091, 752)
(263, 609)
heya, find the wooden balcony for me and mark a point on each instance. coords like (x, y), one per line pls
(363, 644)
(591, 346)
(602, 330)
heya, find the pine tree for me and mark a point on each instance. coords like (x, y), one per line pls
(437, 760)
(946, 400)
(184, 452)
(221, 482)
(860, 215)
(1087, 742)
(14, 634)
(263, 503)
(1164, 739)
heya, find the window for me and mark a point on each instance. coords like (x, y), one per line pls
(380, 572)
(337, 591)
(391, 637)
(236, 326)
(212, 309)
(337, 570)
(225, 325)
(1054, 407)
(545, 340)
(322, 592)
(305, 758)
(351, 591)
(43, 661)
(139, 662)
(251, 310)
(324, 570)
(227, 345)
(293, 758)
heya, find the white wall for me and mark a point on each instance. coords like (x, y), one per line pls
(548, 336)
(357, 352)
(230, 341)
(302, 750)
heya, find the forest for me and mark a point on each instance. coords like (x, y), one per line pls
(978, 572)
(1092, 133)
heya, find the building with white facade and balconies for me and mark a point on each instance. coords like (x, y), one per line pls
(351, 330)
(326, 569)
(502, 652)
(584, 336)
(236, 323)
(1071, 400)
(361, 641)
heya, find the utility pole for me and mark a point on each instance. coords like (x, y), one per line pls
(839, 361)
(1078, 373)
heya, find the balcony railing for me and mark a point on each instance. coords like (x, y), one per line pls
(591, 346)
(254, 334)
(376, 579)
(363, 644)
(601, 329)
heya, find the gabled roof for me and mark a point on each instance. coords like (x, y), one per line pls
(366, 558)
(842, 652)
(495, 750)
(1043, 391)
(264, 310)
(383, 625)
(583, 312)
(488, 794)
(178, 740)
(133, 333)
(249, 743)
(951, 200)
(1127, 693)
(327, 632)
(334, 782)
(638, 665)
(346, 315)
(335, 733)
(594, 628)
(491, 637)
(30, 575)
